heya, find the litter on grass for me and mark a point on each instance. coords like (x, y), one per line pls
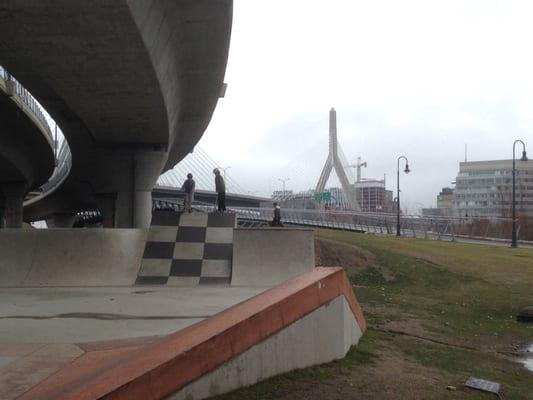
(483, 385)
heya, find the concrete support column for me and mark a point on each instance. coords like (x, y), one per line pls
(125, 198)
(64, 220)
(2, 210)
(134, 209)
(14, 196)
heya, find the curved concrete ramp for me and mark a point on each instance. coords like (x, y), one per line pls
(70, 257)
(265, 257)
(311, 319)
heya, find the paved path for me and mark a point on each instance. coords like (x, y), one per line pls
(487, 242)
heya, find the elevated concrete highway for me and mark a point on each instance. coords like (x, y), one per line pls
(132, 84)
(26, 149)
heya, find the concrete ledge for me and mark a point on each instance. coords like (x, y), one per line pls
(163, 368)
(265, 257)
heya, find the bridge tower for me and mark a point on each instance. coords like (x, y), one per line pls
(333, 161)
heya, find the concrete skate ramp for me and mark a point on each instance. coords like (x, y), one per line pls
(266, 257)
(309, 320)
(70, 257)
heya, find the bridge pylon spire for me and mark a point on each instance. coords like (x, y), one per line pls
(333, 162)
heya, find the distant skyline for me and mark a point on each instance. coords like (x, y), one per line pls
(418, 78)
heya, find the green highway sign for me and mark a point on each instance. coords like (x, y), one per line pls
(325, 196)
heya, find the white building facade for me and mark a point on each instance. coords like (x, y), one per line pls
(484, 188)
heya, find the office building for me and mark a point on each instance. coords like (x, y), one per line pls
(484, 188)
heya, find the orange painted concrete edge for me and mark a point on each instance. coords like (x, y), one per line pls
(159, 369)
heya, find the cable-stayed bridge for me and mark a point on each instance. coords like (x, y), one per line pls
(201, 165)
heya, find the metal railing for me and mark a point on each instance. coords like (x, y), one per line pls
(441, 228)
(28, 103)
(446, 228)
(63, 165)
(14, 89)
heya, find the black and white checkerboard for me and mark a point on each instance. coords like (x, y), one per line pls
(188, 249)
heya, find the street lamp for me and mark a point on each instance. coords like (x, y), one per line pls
(406, 170)
(523, 158)
(284, 180)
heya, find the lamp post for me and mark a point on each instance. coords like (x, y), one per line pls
(406, 170)
(284, 180)
(523, 158)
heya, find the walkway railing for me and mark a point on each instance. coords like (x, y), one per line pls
(445, 228)
(449, 228)
(28, 103)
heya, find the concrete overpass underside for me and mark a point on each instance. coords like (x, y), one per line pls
(132, 84)
(26, 159)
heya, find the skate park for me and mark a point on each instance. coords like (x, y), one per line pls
(70, 314)
(121, 278)
(153, 303)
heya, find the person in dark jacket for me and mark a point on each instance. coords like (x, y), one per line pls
(277, 216)
(188, 188)
(220, 188)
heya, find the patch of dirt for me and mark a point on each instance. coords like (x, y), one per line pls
(392, 376)
(414, 328)
(329, 253)
(385, 272)
(411, 327)
(353, 259)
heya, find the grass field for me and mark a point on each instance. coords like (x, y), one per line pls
(438, 312)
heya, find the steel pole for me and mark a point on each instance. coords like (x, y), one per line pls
(513, 238)
(398, 227)
(398, 200)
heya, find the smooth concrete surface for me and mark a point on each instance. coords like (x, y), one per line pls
(216, 268)
(269, 256)
(324, 335)
(70, 257)
(196, 220)
(73, 315)
(219, 235)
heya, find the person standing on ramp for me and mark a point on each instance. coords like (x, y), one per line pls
(188, 188)
(220, 188)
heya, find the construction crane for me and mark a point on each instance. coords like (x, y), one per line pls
(358, 167)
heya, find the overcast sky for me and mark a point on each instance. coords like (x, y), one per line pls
(420, 78)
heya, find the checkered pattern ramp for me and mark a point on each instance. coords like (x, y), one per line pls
(188, 249)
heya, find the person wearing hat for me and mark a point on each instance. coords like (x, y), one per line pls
(220, 188)
(188, 188)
